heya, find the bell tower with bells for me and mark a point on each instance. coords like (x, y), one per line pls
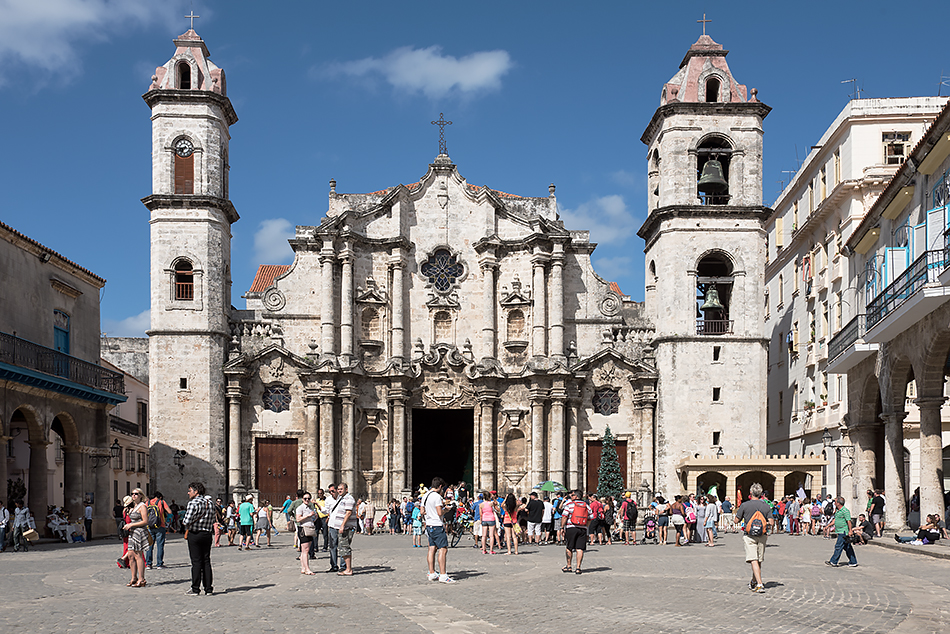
(705, 262)
(190, 218)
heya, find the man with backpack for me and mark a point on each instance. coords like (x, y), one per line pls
(755, 516)
(575, 516)
(158, 514)
(629, 512)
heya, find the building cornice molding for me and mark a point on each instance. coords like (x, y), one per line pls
(155, 97)
(756, 108)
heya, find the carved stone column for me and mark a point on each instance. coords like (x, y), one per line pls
(328, 451)
(235, 453)
(537, 434)
(72, 479)
(348, 436)
(864, 470)
(327, 314)
(894, 470)
(557, 302)
(539, 311)
(931, 457)
(646, 444)
(346, 303)
(488, 267)
(486, 477)
(311, 463)
(573, 443)
(38, 492)
(397, 397)
(398, 295)
(557, 435)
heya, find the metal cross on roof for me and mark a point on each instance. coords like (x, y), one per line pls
(704, 21)
(193, 16)
(442, 123)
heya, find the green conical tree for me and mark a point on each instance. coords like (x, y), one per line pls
(609, 481)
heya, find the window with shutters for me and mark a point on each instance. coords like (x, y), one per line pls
(184, 281)
(185, 174)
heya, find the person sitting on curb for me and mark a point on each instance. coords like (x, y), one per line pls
(929, 533)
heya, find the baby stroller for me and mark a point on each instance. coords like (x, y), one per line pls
(649, 530)
(383, 521)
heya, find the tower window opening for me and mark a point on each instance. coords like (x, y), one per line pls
(717, 395)
(712, 171)
(185, 174)
(184, 281)
(713, 295)
(184, 75)
(716, 438)
(712, 90)
(717, 352)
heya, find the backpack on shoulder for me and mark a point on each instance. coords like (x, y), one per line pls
(755, 527)
(580, 515)
(630, 512)
(155, 516)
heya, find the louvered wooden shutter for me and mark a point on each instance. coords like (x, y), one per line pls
(185, 174)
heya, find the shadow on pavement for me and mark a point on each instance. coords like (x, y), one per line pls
(369, 570)
(467, 574)
(598, 569)
(245, 588)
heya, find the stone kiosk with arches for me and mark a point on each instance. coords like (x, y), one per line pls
(778, 475)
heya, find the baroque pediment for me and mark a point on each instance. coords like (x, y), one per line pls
(609, 366)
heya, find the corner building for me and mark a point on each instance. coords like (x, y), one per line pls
(438, 327)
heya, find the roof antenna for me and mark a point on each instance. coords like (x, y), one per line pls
(944, 81)
(855, 89)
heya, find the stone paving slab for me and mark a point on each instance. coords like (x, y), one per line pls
(78, 588)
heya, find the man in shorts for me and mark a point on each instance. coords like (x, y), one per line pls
(877, 512)
(535, 518)
(575, 517)
(432, 503)
(628, 514)
(755, 545)
(344, 521)
(285, 509)
(547, 521)
(246, 515)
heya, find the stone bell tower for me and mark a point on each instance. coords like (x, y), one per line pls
(190, 237)
(705, 261)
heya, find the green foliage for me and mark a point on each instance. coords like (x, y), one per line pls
(609, 481)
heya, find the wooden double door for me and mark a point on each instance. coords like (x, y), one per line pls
(277, 461)
(594, 450)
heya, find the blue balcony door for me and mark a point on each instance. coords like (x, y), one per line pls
(61, 342)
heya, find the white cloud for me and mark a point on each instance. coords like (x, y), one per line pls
(607, 218)
(615, 268)
(634, 180)
(134, 326)
(270, 242)
(45, 35)
(428, 71)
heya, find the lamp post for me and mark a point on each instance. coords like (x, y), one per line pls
(179, 459)
(100, 459)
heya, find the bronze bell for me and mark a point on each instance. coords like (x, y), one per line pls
(713, 181)
(712, 300)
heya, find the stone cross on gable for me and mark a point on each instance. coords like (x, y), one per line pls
(704, 21)
(442, 123)
(193, 16)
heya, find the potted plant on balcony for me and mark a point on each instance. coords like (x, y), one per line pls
(824, 400)
(809, 406)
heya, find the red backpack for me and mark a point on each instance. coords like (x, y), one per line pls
(580, 514)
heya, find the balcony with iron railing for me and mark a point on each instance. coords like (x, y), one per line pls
(906, 300)
(30, 356)
(847, 348)
(124, 426)
(714, 326)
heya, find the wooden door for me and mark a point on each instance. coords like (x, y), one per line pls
(594, 449)
(277, 469)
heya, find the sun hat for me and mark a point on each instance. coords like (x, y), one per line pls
(127, 500)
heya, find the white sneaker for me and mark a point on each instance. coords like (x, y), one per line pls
(433, 576)
(446, 579)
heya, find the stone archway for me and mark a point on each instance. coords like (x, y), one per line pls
(37, 482)
(747, 479)
(706, 481)
(930, 400)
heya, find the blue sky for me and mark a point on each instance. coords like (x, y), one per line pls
(539, 92)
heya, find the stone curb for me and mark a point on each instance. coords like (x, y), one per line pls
(930, 551)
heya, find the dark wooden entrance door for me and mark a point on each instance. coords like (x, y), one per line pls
(594, 449)
(276, 469)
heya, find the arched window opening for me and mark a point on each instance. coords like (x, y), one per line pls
(184, 75)
(371, 326)
(184, 281)
(712, 90)
(712, 176)
(184, 166)
(516, 331)
(713, 293)
(371, 450)
(443, 327)
(515, 451)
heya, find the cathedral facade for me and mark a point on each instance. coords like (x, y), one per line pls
(445, 328)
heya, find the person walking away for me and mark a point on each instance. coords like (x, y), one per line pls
(246, 515)
(547, 521)
(754, 516)
(262, 513)
(435, 530)
(348, 523)
(678, 519)
(369, 517)
(162, 511)
(535, 510)
(510, 521)
(138, 539)
(662, 518)
(629, 513)
(304, 517)
(726, 518)
(712, 517)
(219, 526)
(575, 517)
(417, 527)
(285, 510)
(332, 504)
(596, 517)
(842, 530)
(198, 523)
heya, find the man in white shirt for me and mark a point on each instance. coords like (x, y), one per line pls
(88, 518)
(547, 521)
(438, 540)
(343, 521)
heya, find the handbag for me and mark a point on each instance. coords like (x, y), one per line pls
(309, 530)
(31, 535)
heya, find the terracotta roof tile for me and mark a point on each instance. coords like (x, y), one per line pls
(616, 288)
(50, 251)
(265, 276)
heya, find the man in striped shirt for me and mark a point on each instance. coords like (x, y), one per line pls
(199, 531)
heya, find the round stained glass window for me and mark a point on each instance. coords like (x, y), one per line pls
(442, 270)
(277, 399)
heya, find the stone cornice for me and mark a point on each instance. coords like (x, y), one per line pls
(155, 97)
(726, 212)
(701, 108)
(191, 201)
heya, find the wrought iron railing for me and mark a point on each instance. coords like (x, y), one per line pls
(846, 337)
(925, 269)
(713, 326)
(124, 426)
(946, 248)
(27, 354)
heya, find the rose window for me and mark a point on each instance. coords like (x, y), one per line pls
(442, 270)
(606, 401)
(277, 399)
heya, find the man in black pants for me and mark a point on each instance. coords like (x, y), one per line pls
(199, 531)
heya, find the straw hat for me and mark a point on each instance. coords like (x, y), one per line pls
(127, 500)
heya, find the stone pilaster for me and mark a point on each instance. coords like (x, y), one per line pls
(557, 302)
(3, 460)
(538, 451)
(488, 267)
(327, 313)
(862, 439)
(328, 452)
(235, 452)
(73, 479)
(346, 303)
(539, 311)
(397, 398)
(311, 463)
(931, 457)
(487, 399)
(557, 434)
(573, 443)
(398, 296)
(894, 470)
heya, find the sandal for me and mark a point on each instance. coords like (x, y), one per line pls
(577, 572)
(141, 584)
(132, 583)
(307, 573)
(567, 569)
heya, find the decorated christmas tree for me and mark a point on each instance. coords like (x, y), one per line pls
(609, 481)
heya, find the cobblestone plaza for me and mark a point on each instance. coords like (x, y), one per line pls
(59, 588)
